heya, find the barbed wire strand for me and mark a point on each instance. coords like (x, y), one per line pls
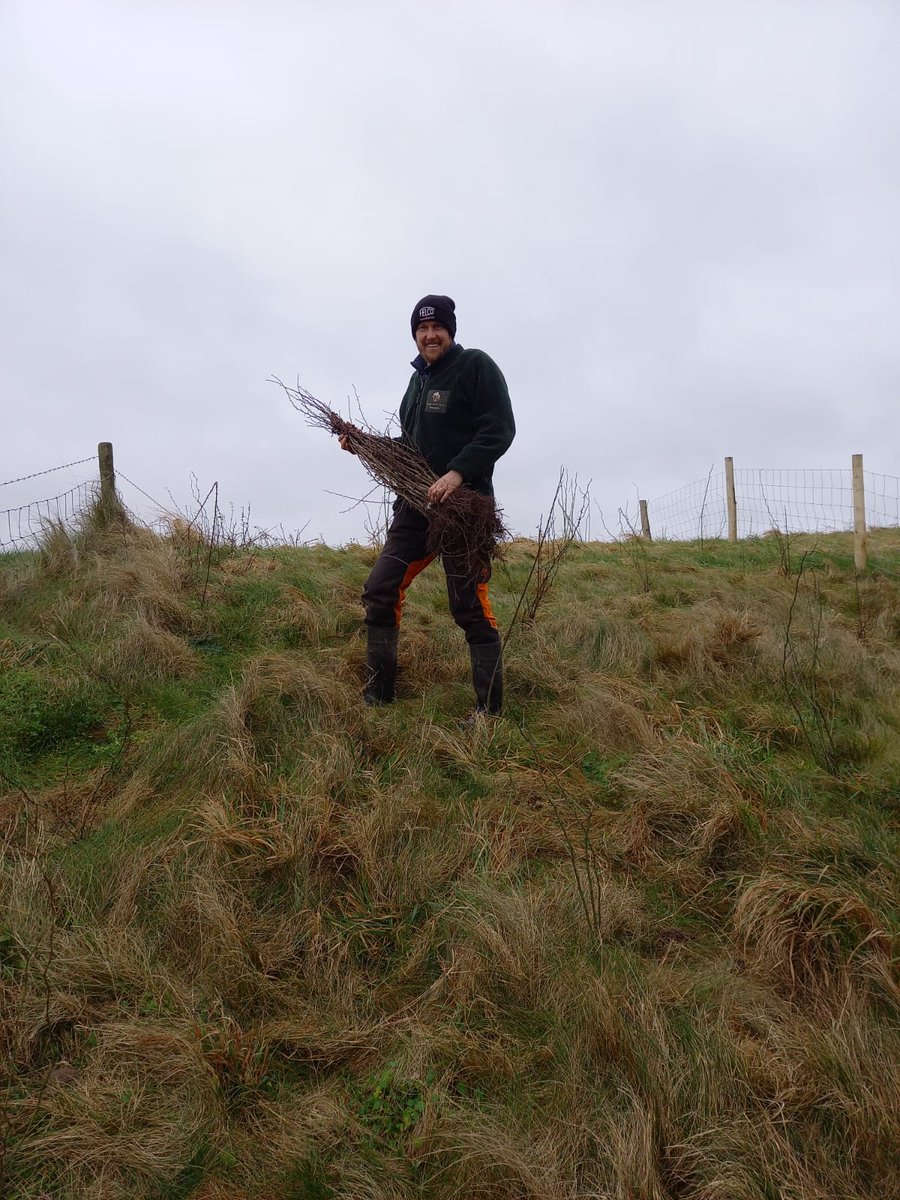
(137, 487)
(49, 471)
(21, 525)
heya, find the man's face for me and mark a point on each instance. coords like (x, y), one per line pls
(433, 341)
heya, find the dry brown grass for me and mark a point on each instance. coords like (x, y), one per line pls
(59, 551)
(152, 579)
(482, 1154)
(147, 651)
(686, 814)
(608, 640)
(712, 637)
(294, 610)
(813, 937)
(128, 1117)
(316, 949)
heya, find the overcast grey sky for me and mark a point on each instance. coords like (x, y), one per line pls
(673, 224)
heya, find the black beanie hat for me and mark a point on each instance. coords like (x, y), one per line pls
(435, 308)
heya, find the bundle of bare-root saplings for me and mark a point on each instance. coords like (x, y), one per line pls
(467, 528)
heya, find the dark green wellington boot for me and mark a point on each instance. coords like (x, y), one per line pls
(381, 665)
(487, 677)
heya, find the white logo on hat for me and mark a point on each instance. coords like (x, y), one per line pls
(426, 312)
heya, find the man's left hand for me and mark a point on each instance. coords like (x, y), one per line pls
(444, 487)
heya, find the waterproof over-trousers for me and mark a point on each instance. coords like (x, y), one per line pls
(404, 556)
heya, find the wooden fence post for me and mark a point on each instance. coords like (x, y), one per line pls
(107, 475)
(730, 500)
(645, 521)
(859, 514)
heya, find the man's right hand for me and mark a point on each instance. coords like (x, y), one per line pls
(344, 443)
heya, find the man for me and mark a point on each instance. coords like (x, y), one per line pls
(457, 413)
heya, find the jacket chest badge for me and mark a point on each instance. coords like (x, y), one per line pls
(437, 400)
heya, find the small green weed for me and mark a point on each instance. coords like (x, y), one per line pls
(390, 1106)
(599, 769)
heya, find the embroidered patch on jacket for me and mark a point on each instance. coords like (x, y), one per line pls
(437, 401)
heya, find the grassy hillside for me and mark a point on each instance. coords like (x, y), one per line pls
(636, 939)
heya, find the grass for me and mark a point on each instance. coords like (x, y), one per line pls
(638, 938)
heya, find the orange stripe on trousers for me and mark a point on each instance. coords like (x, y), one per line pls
(414, 569)
(482, 593)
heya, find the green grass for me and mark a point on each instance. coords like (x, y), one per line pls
(636, 938)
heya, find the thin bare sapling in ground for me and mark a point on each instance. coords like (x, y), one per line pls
(569, 513)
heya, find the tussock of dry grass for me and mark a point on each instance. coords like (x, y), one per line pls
(686, 810)
(152, 580)
(129, 1117)
(303, 690)
(474, 1152)
(711, 638)
(606, 640)
(606, 717)
(813, 937)
(638, 938)
(146, 650)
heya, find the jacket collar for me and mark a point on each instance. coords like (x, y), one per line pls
(419, 364)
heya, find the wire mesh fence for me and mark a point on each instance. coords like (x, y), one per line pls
(814, 501)
(787, 499)
(882, 501)
(797, 500)
(695, 510)
(22, 524)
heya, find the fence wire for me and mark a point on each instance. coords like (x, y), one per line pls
(159, 518)
(696, 510)
(882, 500)
(48, 471)
(21, 527)
(789, 499)
(813, 501)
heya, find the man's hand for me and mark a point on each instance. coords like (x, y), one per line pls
(444, 487)
(344, 443)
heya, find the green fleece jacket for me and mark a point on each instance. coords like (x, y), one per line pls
(457, 413)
